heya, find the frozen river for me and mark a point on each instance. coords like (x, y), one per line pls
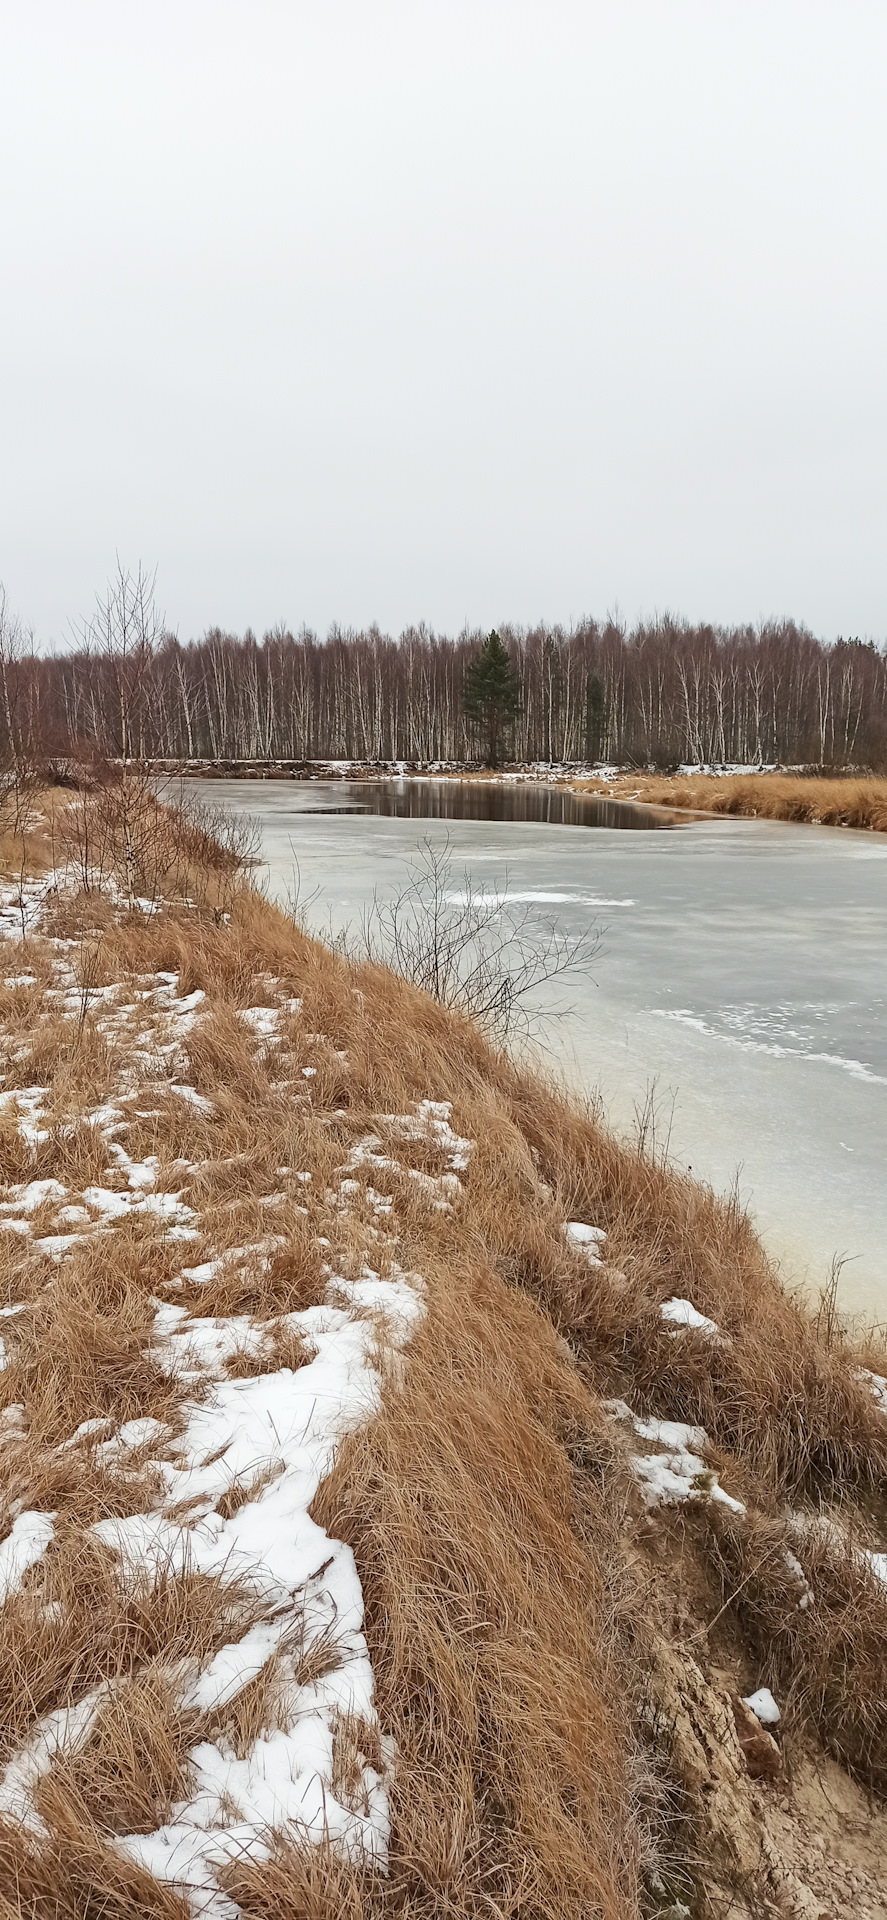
(743, 973)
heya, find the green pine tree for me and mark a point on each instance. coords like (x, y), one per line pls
(490, 695)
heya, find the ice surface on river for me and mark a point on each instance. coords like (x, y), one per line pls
(742, 972)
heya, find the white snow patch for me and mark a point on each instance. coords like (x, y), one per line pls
(169, 1207)
(22, 1548)
(142, 1432)
(88, 1430)
(794, 1566)
(22, 903)
(236, 1257)
(585, 1240)
(107, 1202)
(276, 1436)
(681, 1313)
(190, 1347)
(26, 1199)
(431, 1121)
(193, 1098)
(877, 1386)
(104, 1117)
(763, 1706)
(263, 1021)
(677, 1473)
(12, 1421)
(62, 1731)
(57, 1245)
(29, 1101)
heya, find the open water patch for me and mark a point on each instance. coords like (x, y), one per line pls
(481, 800)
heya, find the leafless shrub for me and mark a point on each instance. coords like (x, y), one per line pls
(467, 946)
(125, 833)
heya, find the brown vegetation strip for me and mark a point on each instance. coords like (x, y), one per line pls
(842, 802)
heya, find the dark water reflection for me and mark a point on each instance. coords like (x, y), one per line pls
(478, 800)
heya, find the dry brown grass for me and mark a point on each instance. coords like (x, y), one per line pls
(312, 1883)
(74, 1626)
(841, 801)
(80, 1351)
(76, 1874)
(489, 1622)
(488, 1505)
(828, 1659)
(72, 1481)
(128, 1773)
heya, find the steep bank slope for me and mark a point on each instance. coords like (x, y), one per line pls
(403, 1483)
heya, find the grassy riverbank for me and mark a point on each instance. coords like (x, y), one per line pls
(844, 801)
(404, 1483)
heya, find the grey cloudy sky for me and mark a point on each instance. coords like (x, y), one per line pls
(466, 310)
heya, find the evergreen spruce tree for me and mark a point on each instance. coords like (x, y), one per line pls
(490, 693)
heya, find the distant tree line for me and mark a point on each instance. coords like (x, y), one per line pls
(663, 693)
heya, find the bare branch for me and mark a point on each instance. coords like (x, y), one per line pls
(467, 945)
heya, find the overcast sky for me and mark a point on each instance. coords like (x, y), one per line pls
(506, 309)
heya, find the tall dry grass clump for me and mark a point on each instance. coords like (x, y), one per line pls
(491, 1618)
(841, 801)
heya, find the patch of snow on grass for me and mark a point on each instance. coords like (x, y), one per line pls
(585, 1240)
(111, 1205)
(22, 903)
(681, 1314)
(60, 1732)
(29, 1101)
(194, 1099)
(236, 1257)
(57, 1245)
(431, 1121)
(677, 1473)
(878, 1564)
(239, 1469)
(274, 1437)
(22, 1548)
(27, 1199)
(191, 1348)
(794, 1566)
(877, 1386)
